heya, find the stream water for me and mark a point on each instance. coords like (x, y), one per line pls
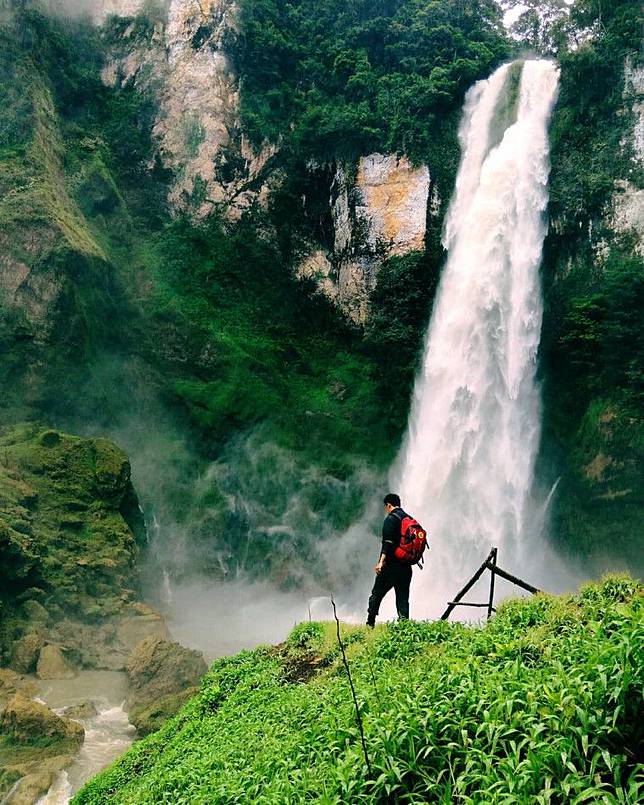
(108, 733)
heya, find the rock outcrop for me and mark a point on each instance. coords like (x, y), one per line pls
(627, 213)
(393, 209)
(182, 66)
(161, 675)
(25, 652)
(381, 213)
(72, 530)
(26, 721)
(12, 683)
(37, 745)
(52, 664)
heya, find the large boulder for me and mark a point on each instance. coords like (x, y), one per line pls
(26, 721)
(86, 709)
(161, 676)
(52, 664)
(107, 645)
(133, 629)
(149, 719)
(24, 653)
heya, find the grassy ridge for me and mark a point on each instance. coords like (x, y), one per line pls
(544, 704)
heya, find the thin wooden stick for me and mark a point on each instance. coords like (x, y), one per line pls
(509, 577)
(353, 691)
(490, 606)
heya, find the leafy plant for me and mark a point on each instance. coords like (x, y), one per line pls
(543, 705)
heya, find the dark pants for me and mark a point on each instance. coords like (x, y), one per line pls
(398, 576)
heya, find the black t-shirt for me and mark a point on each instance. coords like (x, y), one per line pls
(391, 534)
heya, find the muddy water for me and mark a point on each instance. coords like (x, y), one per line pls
(108, 732)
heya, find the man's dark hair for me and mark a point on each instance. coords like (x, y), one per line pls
(393, 499)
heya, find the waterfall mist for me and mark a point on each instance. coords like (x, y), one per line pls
(466, 466)
(258, 544)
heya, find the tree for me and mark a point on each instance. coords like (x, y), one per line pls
(545, 26)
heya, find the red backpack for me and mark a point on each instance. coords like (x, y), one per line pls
(413, 540)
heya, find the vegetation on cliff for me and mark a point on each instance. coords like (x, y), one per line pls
(343, 79)
(592, 356)
(542, 705)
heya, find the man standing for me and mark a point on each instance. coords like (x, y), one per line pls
(390, 570)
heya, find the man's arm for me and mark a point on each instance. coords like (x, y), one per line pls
(389, 536)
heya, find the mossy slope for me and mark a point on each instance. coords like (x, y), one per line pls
(542, 705)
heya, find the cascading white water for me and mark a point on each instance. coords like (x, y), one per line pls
(466, 466)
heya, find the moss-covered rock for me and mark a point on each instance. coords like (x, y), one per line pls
(12, 683)
(26, 721)
(162, 675)
(149, 719)
(25, 652)
(52, 664)
(35, 744)
(69, 531)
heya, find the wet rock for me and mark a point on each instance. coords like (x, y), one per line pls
(107, 645)
(52, 664)
(38, 780)
(159, 670)
(24, 653)
(38, 744)
(82, 710)
(150, 719)
(148, 623)
(25, 721)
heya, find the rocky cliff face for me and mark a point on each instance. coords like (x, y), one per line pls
(378, 207)
(180, 62)
(379, 210)
(627, 214)
(594, 294)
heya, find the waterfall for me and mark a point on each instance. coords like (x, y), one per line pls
(466, 466)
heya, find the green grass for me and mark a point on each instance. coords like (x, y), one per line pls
(544, 704)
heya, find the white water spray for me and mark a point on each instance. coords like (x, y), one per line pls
(466, 466)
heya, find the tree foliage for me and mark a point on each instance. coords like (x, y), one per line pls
(361, 75)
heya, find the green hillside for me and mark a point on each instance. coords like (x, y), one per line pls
(542, 705)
